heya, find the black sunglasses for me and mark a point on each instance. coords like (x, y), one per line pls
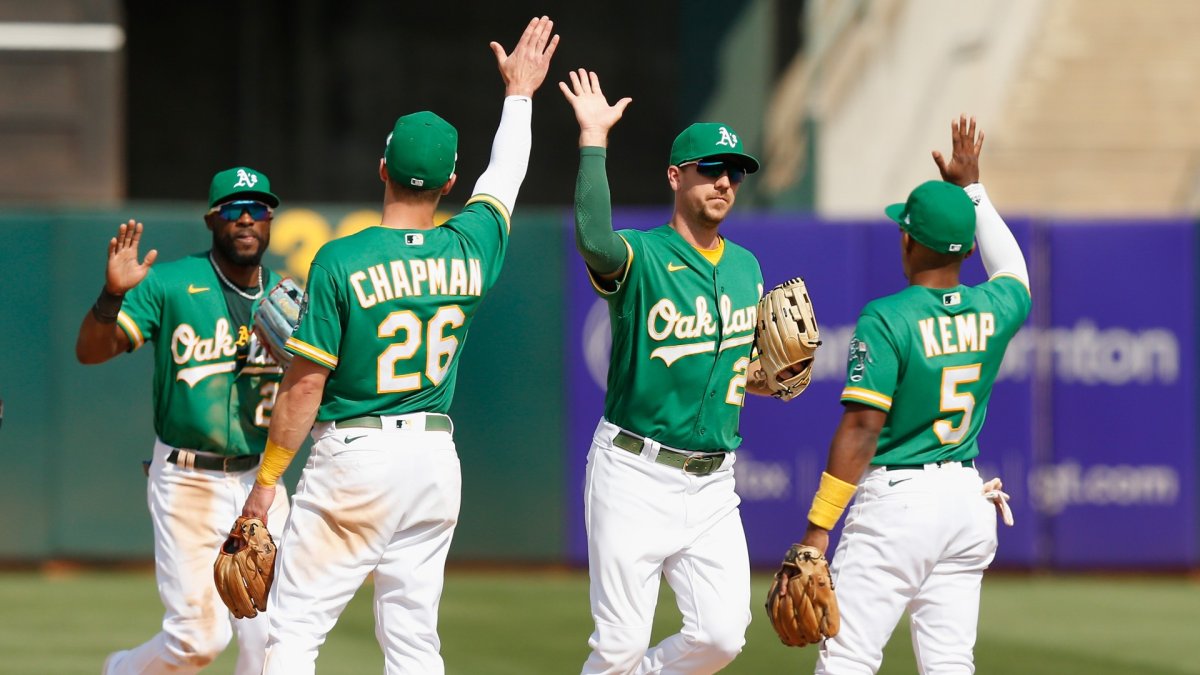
(715, 169)
(232, 211)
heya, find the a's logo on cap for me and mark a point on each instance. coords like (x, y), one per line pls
(955, 248)
(727, 138)
(245, 179)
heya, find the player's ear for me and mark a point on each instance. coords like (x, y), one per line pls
(383, 176)
(908, 245)
(674, 175)
(449, 184)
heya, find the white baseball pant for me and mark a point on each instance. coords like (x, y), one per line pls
(192, 511)
(370, 500)
(645, 520)
(916, 540)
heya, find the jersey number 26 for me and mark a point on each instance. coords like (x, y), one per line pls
(439, 348)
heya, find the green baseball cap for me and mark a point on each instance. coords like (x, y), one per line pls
(705, 140)
(241, 182)
(421, 151)
(939, 215)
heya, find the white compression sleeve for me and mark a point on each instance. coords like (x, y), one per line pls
(510, 153)
(998, 247)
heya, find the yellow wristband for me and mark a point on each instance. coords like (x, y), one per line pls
(830, 501)
(275, 461)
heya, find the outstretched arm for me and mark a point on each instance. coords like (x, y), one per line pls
(850, 454)
(99, 337)
(292, 417)
(523, 72)
(998, 247)
(602, 249)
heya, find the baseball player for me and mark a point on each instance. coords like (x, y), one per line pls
(921, 367)
(214, 387)
(387, 312)
(659, 485)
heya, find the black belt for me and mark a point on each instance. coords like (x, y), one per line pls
(190, 459)
(695, 463)
(433, 422)
(966, 463)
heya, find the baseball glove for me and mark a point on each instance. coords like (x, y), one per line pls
(801, 603)
(245, 568)
(787, 338)
(276, 316)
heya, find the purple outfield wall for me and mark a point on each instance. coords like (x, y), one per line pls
(1091, 423)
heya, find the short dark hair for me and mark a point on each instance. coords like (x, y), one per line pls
(405, 193)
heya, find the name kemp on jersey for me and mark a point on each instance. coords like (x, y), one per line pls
(956, 334)
(429, 276)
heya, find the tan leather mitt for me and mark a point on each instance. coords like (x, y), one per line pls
(801, 603)
(787, 338)
(245, 568)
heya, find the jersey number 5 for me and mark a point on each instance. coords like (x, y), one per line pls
(954, 400)
(439, 348)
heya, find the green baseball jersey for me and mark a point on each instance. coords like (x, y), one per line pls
(682, 330)
(214, 385)
(928, 358)
(388, 310)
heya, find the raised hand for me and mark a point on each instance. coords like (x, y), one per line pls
(124, 271)
(963, 167)
(525, 69)
(592, 111)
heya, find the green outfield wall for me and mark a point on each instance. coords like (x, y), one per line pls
(73, 436)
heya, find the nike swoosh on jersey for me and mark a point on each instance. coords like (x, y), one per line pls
(672, 267)
(193, 289)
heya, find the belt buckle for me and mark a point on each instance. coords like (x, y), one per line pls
(688, 460)
(225, 463)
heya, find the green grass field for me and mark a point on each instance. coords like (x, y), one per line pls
(535, 622)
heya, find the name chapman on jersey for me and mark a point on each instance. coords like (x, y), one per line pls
(412, 278)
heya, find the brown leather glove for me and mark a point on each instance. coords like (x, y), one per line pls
(245, 568)
(801, 604)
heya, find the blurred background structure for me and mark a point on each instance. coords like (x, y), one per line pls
(111, 110)
(1089, 104)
